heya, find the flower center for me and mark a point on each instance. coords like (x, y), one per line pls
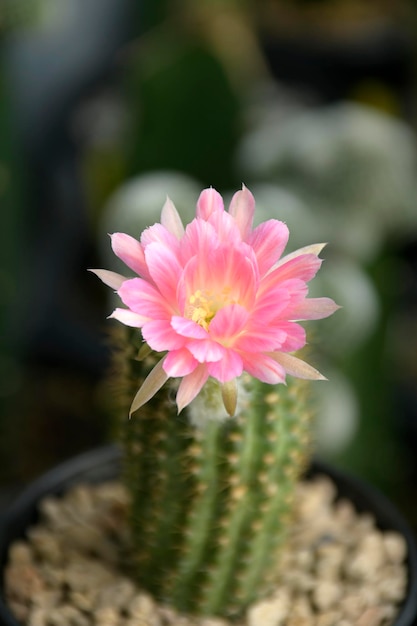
(203, 305)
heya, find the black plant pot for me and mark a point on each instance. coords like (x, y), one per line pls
(104, 464)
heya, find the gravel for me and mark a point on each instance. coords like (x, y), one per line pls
(337, 569)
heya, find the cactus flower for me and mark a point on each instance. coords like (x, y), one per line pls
(217, 298)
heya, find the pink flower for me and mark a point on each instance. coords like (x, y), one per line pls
(217, 298)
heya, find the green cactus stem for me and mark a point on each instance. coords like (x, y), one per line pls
(211, 504)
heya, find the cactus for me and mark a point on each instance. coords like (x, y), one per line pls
(213, 453)
(211, 504)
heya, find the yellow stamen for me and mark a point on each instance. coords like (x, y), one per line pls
(203, 305)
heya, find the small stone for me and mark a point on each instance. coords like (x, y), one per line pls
(371, 617)
(170, 617)
(304, 559)
(51, 512)
(38, 617)
(107, 616)
(67, 615)
(353, 605)
(301, 613)
(213, 621)
(47, 599)
(117, 594)
(298, 580)
(19, 609)
(143, 607)
(22, 582)
(326, 594)
(368, 557)
(271, 612)
(20, 552)
(85, 601)
(45, 545)
(87, 574)
(395, 547)
(392, 584)
(329, 618)
(330, 558)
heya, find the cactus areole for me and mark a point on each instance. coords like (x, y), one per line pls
(217, 442)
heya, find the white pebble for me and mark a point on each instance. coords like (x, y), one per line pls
(326, 594)
(271, 612)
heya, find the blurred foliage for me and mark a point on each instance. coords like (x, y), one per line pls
(12, 262)
(183, 97)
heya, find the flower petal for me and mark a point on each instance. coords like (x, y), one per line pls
(179, 363)
(209, 202)
(264, 368)
(165, 269)
(152, 383)
(303, 267)
(159, 234)
(205, 350)
(295, 336)
(200, 237)
(230, 366)
(190, 386)
(143, 298)
(129, 318)
(171, 220)
(268, 241)
(296, 367)
(111, 279)
(242, 209)
(314, 309)
(130, 251)
(188, 328)
(228, 323)
(314, 248)
(160, 335)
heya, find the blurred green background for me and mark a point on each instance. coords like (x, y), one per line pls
(107, 106)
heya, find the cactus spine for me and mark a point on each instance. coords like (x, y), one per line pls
(211, 505)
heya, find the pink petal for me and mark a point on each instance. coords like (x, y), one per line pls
(209, 202)
(205, 350)
(227, 268)
(179, 363)
(226, 228)
(228, 323)
(200, 237)
(130, 251)
(242, 209)
(229, 367)
(303, 267)
(296, 367)
(129, 318)
(164, 269)
(190, 386)
(144, 298)
(260, 339)
(264, 368)
(159, 234)
(171, 220)
(270, 304)
(111, 279)
(295, 337)
(160, 335)
(268, 241)
(314, 309)
(188, 328)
